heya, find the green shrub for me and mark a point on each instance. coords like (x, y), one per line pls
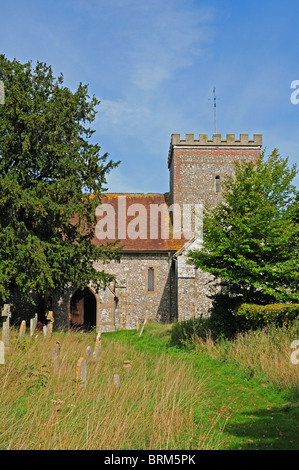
(258, 316)
(183, 333)
(227, 319)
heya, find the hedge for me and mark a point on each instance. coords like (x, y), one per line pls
(262, 315)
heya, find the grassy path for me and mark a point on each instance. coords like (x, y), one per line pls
(257, 416)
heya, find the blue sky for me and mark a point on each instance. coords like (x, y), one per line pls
(153, 66)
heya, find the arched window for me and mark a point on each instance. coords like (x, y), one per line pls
(217, 184)
(150, 279)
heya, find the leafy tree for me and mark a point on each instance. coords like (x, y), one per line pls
(51, 180)
(250, 239)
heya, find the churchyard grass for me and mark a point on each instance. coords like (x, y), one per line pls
(158, 403)
(251, 381)
(165, 397)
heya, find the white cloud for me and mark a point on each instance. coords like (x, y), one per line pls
(168, 38)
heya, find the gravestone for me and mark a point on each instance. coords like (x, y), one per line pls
(49, 316)
(5, 333)
(33, 323)
(88, 352)
(45, 330)
(81, 373)
(2, 352)
(50, 320)
(55, 355)
(97, 347)
(22, 330)
(49, 328)
(6, 314)
(116, 380)
(56, 350)
(127, 365)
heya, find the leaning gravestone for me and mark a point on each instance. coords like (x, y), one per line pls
(22, 330)
(81, 372)
(97, 347)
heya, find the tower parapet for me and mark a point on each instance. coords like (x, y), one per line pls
(204, 141)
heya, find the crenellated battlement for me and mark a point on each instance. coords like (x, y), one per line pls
(216, 140)
(203, 141)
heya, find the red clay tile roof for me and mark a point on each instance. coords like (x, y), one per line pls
(127, 221)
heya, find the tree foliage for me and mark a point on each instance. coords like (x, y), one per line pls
(250, 240)
(51, 180)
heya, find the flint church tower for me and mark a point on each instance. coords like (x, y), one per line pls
(198, 167)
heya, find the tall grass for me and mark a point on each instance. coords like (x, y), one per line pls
(267, 351)
(153, 408)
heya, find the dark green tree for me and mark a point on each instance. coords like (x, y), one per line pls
(250, 240)
(51, 180)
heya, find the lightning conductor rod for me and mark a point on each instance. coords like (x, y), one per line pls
(215, 108)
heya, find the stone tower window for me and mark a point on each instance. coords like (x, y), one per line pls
(217, 184)
(150, 279)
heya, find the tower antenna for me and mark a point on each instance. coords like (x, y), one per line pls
(215, 108)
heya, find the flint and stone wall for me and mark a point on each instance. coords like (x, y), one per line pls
(135, 302)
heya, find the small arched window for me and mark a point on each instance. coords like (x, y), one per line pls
(217, 184)
(150, 279)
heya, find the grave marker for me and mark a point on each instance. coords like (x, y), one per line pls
(49, 316)
(116, 380)
(22, 329)
(6, 314)
(56, 350)
(50, 320)
(97, 346)
(49, 328)
(2, 352)
(127, 365)
(33, 323)
(88, 352)
(56, 356)
(81, 373)
(5, 333)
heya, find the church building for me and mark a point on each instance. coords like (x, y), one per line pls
(153, 280)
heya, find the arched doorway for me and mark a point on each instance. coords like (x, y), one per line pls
(83, 310)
